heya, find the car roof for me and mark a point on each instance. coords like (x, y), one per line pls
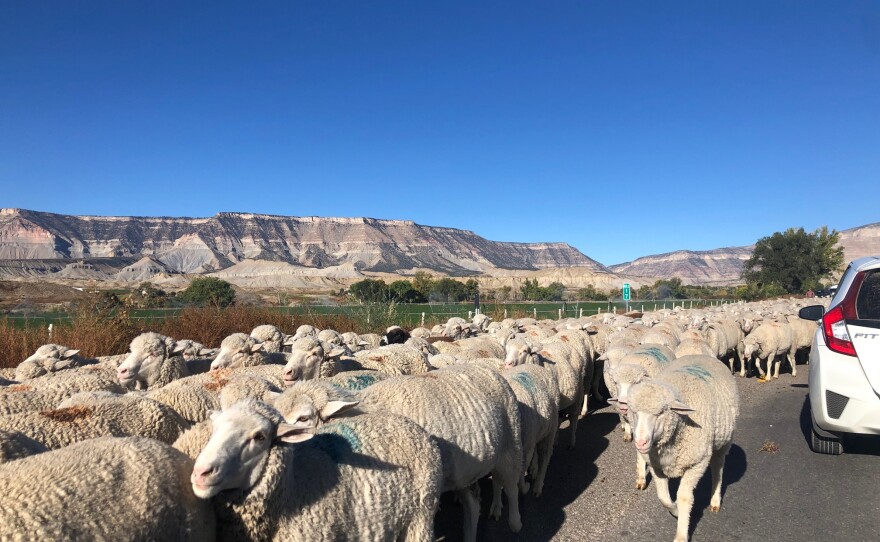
(866, 263)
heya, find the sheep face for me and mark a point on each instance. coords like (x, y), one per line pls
(656, 415)
(304, 364)
(625, 376)
(146, 357)
(235, 454)
(394, 335)
(517, 353)
(234, 350)
(353, 341)
(749, 348)
(303, 332)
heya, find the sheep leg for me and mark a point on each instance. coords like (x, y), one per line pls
(471, 513)
(627, 429)
(641, 472)
(662, 483)
(508, 478)
(572, 413)
(777, 364)
(742, 361)
(495, 509)
(792, 360)
(545, 450)
(717, 466)
(731, 361)
(684, 501)
(585, 407)
(758, 365)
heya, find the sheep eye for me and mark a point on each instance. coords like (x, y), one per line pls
(259, 437)
(303, 419)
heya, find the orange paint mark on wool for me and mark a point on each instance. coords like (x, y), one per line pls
(68, 414)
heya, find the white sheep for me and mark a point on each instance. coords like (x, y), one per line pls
(693, 347)
(264, 489)
(353, 341)
(394, 359)
(47, 391)
(103, 489)
(684, 422)
(192, 350)
(725, 339)
(477, 429)
(770, 341)
(649, 360)
(567, 367)
(270, 336)
(537, 393)
(97, 416)
(240, 350)
(151, 362)
(49, 358)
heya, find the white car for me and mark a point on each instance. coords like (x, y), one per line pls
(845, 359)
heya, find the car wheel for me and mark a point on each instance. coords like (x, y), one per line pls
(825, 445)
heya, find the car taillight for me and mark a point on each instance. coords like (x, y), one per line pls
(834, 322)
(836, 335)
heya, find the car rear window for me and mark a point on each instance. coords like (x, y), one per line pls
(868, 302)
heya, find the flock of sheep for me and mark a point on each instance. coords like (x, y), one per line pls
(337, 436)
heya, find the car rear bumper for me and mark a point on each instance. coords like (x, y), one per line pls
(841, 398)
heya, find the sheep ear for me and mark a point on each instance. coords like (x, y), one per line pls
(289, 340)
(63, 363)
(363, 343)
(69, 353)
(205, 351)
(681, 408)
(257, 347)
(335, 353)
(603, 357)
(292, 434)
(178, 348)
(336, 407)
(612, 400)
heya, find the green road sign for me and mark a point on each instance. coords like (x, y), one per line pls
(626, 291)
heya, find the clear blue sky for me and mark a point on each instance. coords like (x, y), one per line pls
(623, 128)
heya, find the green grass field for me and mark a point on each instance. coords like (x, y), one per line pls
(407, 314)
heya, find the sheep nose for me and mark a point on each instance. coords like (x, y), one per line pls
(641, 443)
(200, 474)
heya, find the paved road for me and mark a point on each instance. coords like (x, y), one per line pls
(790, 495)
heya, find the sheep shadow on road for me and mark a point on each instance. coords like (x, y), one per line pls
(569, 474)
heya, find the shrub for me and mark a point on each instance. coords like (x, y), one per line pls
(209, 291)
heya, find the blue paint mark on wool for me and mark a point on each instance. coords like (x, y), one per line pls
(526, 381)
(339, 440)
(357, 383)
(695, 370)
(657, 354)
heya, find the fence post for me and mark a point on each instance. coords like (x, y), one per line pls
(469, 315)
(692, 303)
(664, 305)
(598, 310)
(505, 312)
(423, 320)
(560, 314)
(535, 312)
(655, 306)
(642, 309)
(50, 332)
(581, 313)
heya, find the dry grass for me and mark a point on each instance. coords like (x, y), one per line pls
(97, 335)
(769, 447)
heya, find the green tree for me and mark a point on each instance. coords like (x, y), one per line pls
(530, 289)
(423, 283)
(668, 289)
(402, 291)
(589, 293)
(448, 290)
(370, 290)
(147, 296)
(471, 287)
(553, 292)
(793, 261)
(209, 291)
(503, 293)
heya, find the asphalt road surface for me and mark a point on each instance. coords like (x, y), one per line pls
(775, 488)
